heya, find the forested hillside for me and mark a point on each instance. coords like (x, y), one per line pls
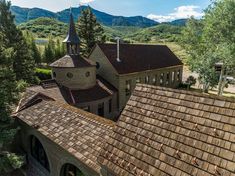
(44, 27)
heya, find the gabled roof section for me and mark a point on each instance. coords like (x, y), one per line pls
(72, 36)
(172, 132)
(137, 58)
(72, 61)
(101, 90)
(80, 133)
(30, 97)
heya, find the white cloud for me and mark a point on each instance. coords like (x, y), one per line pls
(180, 12)
(85, 1)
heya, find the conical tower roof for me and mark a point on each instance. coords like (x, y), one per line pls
(72, 36)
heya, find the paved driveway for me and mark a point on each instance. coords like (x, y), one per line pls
(187, 73)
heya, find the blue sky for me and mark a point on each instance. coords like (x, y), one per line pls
(159, 10)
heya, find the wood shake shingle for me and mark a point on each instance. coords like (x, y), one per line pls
(80, 133)
(172, 132)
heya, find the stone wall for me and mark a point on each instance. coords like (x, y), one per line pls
(57, 156)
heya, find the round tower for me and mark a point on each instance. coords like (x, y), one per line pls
(73, 71)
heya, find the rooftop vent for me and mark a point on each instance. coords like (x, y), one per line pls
(216, 170)
(118, 49)
(177, 154)
(215, 132)
(195, 161)
(161, 147)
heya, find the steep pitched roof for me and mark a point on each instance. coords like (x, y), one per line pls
(172, 132)
(72, 36)
(80, 133)
(137, 58)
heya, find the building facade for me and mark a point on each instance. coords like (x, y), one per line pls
(146, 64)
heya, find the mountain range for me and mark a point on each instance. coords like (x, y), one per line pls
(23, 15)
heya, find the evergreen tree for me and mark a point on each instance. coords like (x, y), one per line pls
(36, 55)
(23, 63)
(9, 95)
(90, 31)
(49, 51)
(59, 49)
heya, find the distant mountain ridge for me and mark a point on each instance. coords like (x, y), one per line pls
(23, 15)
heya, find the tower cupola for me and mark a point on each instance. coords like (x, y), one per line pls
(72, 41)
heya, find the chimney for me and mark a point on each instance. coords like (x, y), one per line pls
(118, 49)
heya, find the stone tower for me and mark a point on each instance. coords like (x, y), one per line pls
(74, 71)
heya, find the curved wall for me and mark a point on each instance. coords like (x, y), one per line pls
(75, 78)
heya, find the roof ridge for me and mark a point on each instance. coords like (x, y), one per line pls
(204, 95)
(84, 114)
(135, 44)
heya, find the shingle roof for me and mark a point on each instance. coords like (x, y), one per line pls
(137, 58)
(80, 133)
(172, 132)
(101, 90)
(72, 61)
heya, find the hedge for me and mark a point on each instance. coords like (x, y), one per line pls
(43, 74)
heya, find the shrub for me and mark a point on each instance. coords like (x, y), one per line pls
(43, 74)
(191, 81)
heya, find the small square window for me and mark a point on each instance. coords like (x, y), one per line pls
(178, 75)
(128, 87)
(147, 79)
(161, 79)
(173, 77)
(138, 80)
(155, 80)
(167, 78)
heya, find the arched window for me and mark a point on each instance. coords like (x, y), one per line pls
(38, 153)
(70, 170)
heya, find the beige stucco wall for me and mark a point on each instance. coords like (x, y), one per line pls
(93, 106)
(106, 69)
(57, 156)
(79, 79)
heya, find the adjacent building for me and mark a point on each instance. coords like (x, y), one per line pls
(161, 131)
(125, 65)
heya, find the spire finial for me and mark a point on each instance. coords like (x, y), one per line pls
(72, 39)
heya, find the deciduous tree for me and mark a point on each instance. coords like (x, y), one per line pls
(210, 41)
